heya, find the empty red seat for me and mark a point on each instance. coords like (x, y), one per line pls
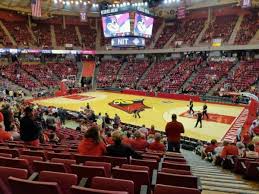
(6, 155)
(14, 152)
(20, 186)
(251, 169)
(152, 164)
(51, 155)
(34, 153)
(115, 161)
(107, 166)
(177, 180)
(15, 163)
(176, 166)
(64, 180)
(139, 177)
(150, 156)
(5, 173)
(48, 166)
(82, 190)
(112, 184)
(165, 189)
(87, 171)
(238, 168)
(135, 167)
(30, 159)
(175, 171)
(66, 162)
(83, 158)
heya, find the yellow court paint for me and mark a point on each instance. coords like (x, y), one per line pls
(159, 113)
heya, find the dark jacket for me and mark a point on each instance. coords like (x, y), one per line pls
(29, 129)
(122, 150)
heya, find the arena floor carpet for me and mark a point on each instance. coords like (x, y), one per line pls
(156, 111)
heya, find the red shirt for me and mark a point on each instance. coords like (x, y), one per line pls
(173, 131)
(1, 117)
(229, 150)
(157, 146)
(139, 144)
(210, 148)
(5, 136)
(89, 147)
(109, 140)
(127, 141)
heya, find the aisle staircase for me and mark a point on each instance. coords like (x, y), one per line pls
(206, 25)
(98, 37)
(158, 33)
(119, 72)
(255, 39)
(167, 45)
(216, 179)
(7, 33)
(78, 35)
(235, 30)
(32, 34)
(145, 73)
(53, 36)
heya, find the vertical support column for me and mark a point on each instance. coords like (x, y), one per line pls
(209, 14)
(64, 22)
(29, 21)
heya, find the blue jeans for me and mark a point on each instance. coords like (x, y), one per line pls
(173, 147)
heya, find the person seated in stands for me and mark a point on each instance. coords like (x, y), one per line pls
(118, 149)
(157, 145)
(14, 132)
(229, 150)
(150, 138)
(50, 121)
(209, 149)
(92, 144)
(29, 128)
(241, 148)
(53, 138)
(108, 138)
(127, 140)
(152, 130)
(4, 135)
(251, 153)
(139, 143)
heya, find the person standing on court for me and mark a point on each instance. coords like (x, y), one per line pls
(199, 119)
(204, 111)
(173, 132)
(191, 111)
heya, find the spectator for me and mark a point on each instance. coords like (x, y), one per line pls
(117, 120)
(143, 130)
(53, 138)
(157, 145)
(7, 113)
(210, 148)
(173, 132)
(152, 130)
(14, 132)
(108, 138)
(127, 140)
(120, 150)
(29, 129)
(139, 143)
(92, 143)
(2, 120)
(50, 121)
(241, 148)
(251, 153)
(229, 150)
(4, 135)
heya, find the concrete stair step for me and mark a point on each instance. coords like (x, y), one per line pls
(209, 173)
(226, 185)
(222, 180)
(214, 176)
(229, 190)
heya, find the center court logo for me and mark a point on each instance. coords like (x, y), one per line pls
(129, 106)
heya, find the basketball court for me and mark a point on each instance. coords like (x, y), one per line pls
(156, 111)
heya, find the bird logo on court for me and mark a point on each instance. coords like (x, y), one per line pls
(129, 106)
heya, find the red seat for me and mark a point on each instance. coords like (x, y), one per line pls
(48, 166)
(82, 190)
(115, 161)
(139, 177)
(152, 164)
(34, 153)
(135, 167)
(30, 159)
(151, 157)
(66, 162)
(175, 171)
(176, 166)
(238, 168)
(14, 152)
(6, 155)
(165, 189)
(107, 166)
(87, 171)
(15, 163)
(174, 154)
(83, 158)
(51, 155)
(177, 180)
(111, 184)
(20, 186)
(64, 180)
(5, 173)
(251, 170)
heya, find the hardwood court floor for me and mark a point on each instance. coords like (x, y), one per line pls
(157, 111)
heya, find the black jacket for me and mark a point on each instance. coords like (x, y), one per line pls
(29, 129)
(122, 150)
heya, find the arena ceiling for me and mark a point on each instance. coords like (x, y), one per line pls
(49, 7)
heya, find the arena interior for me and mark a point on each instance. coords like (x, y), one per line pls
(129, 96)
